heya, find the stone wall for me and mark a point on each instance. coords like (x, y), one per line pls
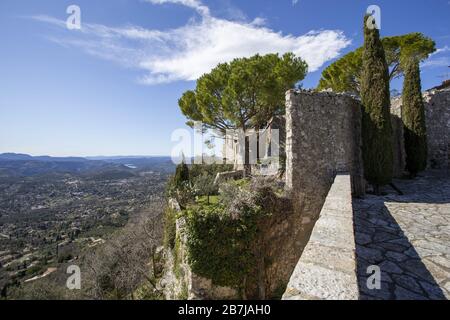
(437, 119)
(323, 137)
(437, 113)
(327, 267)
(398, 142)
(228, 175)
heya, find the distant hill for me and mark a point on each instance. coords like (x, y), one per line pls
(23, 165)
(21, 156)
(15, 156)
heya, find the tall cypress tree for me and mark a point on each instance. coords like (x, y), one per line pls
(376, 119)
(413, 116)
(181, 174)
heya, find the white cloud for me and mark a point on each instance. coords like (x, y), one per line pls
(294, 2)
(194, 4)
(433, 61)
(187, 52)
(441, 50)
(436, 62)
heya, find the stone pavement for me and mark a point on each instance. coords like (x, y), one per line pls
(408, 237)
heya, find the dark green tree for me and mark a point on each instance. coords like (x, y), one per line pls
(243, 94)
(376, 120)
(413, 116)
(181, 174)
(345, 74)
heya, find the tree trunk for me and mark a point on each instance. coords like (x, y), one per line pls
(247, 166)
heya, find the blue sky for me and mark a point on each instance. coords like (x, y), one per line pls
(112, 87)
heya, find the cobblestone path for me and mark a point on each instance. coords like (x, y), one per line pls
(408, 237)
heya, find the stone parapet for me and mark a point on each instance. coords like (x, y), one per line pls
(327, 267)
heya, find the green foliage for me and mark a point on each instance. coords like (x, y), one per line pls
(204, 185)
(181, 174)
(220, 246)
(196, 170)
(345, 74)
(244, 93)
(177, 258)
(184, 294)
(413, 116)
(208, 200)
(376, 121)
(200, 182)
(229, 190)
(169, 228)
(223, 239)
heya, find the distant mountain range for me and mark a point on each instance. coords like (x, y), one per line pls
(15, 164)
(27, 157)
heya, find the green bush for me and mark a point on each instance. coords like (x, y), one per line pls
(181, 174)
(222, 239)
(212, 170)
(169, 228)
(177, 258)
(220, 246)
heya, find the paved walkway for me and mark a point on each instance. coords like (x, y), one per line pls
(408, 237)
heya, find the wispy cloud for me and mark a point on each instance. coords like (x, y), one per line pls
(441, 61)
(194, 4)
(437, 62)
(441, 50)
(187, 52)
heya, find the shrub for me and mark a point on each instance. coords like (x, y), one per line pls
(181, 174)
(223, 239)
(204, 185)
(220, 245)
(169, 228)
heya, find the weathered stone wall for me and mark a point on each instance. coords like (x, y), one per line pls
(228, 175)
(281, 248)
(327, 267)
(398, 142)
(323, 137)
(437, 113)
(437, 119)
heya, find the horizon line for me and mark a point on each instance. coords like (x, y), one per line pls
(83, 156)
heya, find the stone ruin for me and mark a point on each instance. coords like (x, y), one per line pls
(324, 169)
(312, 243)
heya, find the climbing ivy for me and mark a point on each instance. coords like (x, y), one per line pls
(219, 245)
(222, 239)
(169, 228)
